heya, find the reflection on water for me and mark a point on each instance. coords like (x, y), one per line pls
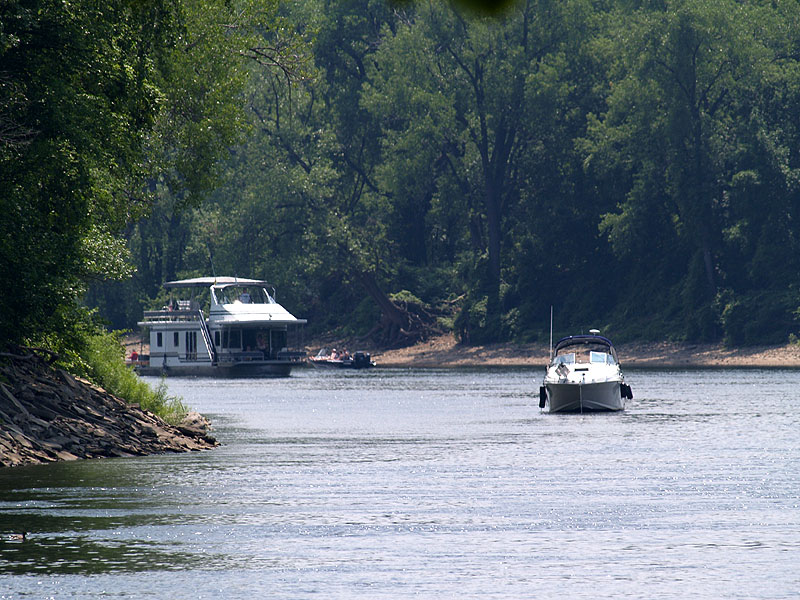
(81, 555)
(434, 483)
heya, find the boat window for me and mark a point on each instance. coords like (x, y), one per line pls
(159, 339)
(216, 338)
(240, 294)
(176, 339)
(191, 345)
(234, 338)
(564, 359)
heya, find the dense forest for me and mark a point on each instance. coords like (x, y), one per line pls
(402, 168)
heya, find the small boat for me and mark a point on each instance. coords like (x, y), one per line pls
(243, 332)
(584, 375)
(341, 360)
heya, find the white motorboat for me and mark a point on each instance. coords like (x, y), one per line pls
(245, 333)
(584, 375)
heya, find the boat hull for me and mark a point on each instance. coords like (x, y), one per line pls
(585, 397)
(359, 360)
(244, 369)
(340, 364)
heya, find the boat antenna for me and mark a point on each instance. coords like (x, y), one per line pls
(551, 332)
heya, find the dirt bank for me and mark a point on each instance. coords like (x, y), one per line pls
(48, 415)
(444, 351)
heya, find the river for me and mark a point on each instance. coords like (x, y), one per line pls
(400, 483)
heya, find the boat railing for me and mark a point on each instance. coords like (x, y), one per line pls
(206, 335)
(166, 316)
(194, 358)
(257, 355)
(248, 356)
(292, 355)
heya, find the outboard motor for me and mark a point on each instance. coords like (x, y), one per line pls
(361, 360)
(542, 396)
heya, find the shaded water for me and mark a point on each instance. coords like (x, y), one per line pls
(434, 484)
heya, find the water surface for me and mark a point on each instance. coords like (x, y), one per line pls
(434, 484)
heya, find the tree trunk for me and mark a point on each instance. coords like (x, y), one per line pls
(388, 308)
(402, 325)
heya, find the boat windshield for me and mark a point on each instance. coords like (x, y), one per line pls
(584, 355)
(242, 294)
(564, 359)
(601, 358)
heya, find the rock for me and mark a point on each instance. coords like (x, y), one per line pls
(64, 455)
(47, 414)
(194, 422)
(9, 396)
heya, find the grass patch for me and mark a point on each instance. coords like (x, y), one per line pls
(105, 359)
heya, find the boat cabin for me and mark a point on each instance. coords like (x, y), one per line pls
(584, 349)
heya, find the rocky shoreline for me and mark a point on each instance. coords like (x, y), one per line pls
(47, 415)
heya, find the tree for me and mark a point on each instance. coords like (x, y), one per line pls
(453, 96)
(101, 107)
(687, 71)
(84, 103)
(201, 78)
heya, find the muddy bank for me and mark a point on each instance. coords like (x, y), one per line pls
(48, 415)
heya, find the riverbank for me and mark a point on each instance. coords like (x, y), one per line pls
(444, 351)
(48, 415)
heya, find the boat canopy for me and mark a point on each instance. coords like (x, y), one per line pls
(583, 340)
(218, 282)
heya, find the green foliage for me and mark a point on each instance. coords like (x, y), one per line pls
(82, 91)
(760, 317)
(632, 164)
(105, 365)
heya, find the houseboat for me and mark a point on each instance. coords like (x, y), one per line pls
(221, 327)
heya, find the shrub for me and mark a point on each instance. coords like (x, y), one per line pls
(766, 317)
(105, 358)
